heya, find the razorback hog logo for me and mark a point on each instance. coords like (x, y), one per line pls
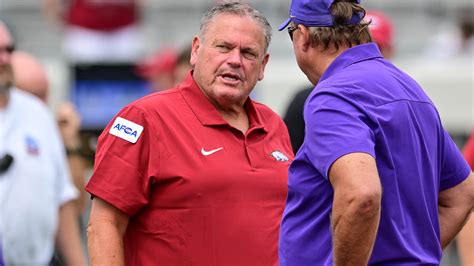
(126, 130)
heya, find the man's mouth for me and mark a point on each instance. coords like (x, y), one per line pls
(231, 77)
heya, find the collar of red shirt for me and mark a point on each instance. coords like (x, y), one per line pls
(207, 113)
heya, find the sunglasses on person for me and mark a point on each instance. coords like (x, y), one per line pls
(8, 49)
(291, 29)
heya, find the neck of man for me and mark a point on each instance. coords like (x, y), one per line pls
(233, 113)
(325, 58)
(238, 119)
(4, 96)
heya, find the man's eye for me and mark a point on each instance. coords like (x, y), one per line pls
(249, 55)
(223, 48)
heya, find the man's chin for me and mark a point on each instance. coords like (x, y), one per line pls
(6, 77)
(5, 82)
(230, 99)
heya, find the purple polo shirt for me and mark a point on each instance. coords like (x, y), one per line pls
(365, 104)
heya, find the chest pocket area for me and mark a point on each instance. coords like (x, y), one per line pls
(276, 151)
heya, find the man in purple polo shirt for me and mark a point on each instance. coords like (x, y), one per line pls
(377, 180)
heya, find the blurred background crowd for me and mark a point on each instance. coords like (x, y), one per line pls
(432, 41)
(98, 55)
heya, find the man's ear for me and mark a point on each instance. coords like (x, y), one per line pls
(194, 49)
(305, 36)
(262, 69)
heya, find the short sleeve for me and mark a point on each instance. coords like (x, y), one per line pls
(335, 126)
(454, 169)
(121, 169)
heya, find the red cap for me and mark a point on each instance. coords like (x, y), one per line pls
(162, 62)
(381, 28)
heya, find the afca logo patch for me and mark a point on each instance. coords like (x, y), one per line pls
(126, 130)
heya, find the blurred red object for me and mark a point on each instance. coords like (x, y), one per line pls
(163, 62)
(381, 28)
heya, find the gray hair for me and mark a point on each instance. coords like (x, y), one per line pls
(239, 9)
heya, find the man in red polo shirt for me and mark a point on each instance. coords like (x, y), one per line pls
(196, 175)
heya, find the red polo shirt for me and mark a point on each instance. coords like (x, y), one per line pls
(198, 191)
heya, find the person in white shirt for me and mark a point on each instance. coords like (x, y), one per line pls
(36, 191)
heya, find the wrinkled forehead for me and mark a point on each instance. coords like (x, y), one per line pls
(235, 27)
(233, 18)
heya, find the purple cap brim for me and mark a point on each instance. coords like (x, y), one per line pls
(284, 24)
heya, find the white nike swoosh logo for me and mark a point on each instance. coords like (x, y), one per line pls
(206, 153)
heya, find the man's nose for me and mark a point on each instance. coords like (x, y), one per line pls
(235, 58)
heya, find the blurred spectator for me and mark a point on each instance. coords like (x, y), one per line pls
(455, 40)
(183, 66)
(159, 68)
(30, 76)
(98, 31)
(36, 192)
(465, 240)
(294, 119)
(381, 30)
(69, 124)
(166, 68)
